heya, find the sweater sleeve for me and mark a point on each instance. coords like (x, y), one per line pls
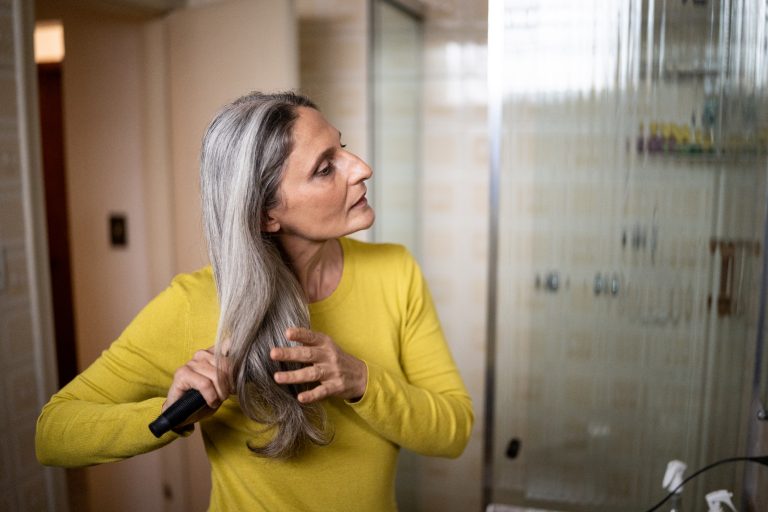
(426, 408)
(103, 414)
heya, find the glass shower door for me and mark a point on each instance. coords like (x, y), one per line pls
(630, 216)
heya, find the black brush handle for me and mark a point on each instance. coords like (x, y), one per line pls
(189, 403)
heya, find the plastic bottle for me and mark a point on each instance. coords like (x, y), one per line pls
(665, 136)
(716, 499)
(654, 140)
(673, 477)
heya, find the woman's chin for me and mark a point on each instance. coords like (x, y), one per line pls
(372, 218)
(365, 223)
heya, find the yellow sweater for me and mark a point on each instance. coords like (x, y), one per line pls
(381, 312)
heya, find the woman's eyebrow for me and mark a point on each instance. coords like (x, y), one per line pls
(324, 155)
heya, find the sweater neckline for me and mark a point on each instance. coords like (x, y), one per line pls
(345, 283)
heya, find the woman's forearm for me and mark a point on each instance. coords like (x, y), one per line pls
(435, 422)
(73, 433)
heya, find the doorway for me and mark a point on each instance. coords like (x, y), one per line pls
(49, 45)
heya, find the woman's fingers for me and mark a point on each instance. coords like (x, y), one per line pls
(199, 373)
(186, 378)
(206, 364)
(296, 354)
(314, 394)
(304, 336)
(338, 373)
(308, 374)
(315, 346)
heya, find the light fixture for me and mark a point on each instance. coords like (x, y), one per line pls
(49, 42)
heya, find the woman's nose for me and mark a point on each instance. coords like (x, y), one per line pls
(358, 169)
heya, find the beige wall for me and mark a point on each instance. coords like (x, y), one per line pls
(455, 221)
(27, 368)
(217, 53)
(333, 57)
(103, 76)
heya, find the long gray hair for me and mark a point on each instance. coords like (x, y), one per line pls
(241, 165)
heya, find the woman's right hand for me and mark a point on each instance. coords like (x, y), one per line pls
(200, 373)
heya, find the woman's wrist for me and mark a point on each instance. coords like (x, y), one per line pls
(362, 381)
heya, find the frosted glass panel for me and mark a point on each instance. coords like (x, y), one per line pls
(631, 216)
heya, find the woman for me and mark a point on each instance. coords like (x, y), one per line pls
(328, 353)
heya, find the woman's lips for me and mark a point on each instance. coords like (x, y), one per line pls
(362, 202)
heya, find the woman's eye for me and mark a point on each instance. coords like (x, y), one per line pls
(325, 171)
(343, 146)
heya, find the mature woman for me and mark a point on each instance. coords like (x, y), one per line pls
(327, 353)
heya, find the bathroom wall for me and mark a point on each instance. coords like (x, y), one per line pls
(454, 224)
(27, 365)
(333, 62)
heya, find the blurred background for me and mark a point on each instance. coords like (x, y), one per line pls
(583, 183)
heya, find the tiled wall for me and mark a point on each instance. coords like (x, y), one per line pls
(23, 482)
(333, 64)
(454, 223)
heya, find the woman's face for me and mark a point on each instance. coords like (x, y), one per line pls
(322, 193)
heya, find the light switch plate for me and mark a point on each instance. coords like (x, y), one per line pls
(118, 230)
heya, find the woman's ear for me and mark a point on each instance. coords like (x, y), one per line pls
(270, 224)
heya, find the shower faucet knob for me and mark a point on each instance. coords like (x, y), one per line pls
(599, 284)
(615, 285)
(552, 281)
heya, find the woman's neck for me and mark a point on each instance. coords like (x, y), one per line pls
(317, 265)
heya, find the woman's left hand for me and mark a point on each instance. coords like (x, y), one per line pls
(338, 373)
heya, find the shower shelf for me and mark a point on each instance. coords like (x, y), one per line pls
(710, 158)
